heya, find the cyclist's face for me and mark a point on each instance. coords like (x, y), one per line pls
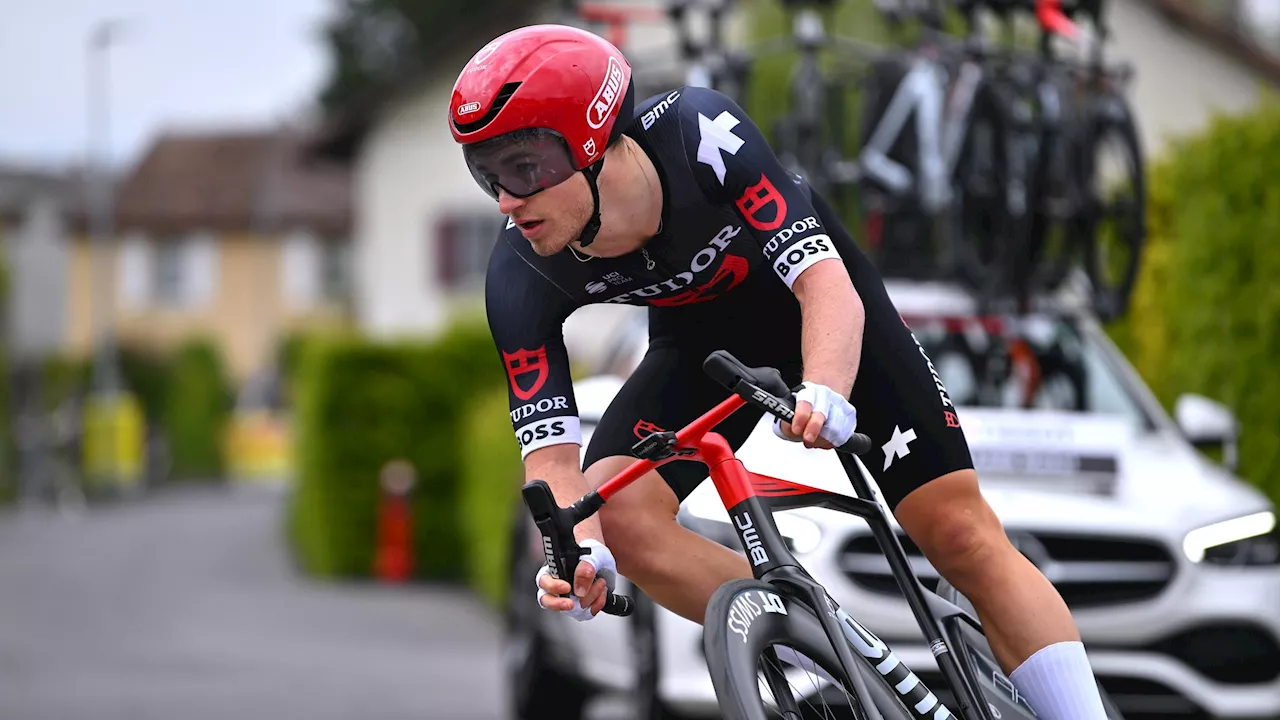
(552, 218)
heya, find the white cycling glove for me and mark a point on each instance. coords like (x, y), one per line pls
(602, 560)
(841, 417)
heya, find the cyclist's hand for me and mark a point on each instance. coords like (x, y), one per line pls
(824, 418)
(594, 577)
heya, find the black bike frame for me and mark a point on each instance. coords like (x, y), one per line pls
(751, 499)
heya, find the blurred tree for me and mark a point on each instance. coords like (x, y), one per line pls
(377, 44)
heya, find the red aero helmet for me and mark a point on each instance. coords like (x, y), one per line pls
(557, 77)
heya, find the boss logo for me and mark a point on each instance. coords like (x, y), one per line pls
(796, 256)
(606, 97)
(541, 431)
(469, 108)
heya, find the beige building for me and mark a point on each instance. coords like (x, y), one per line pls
(232, 236)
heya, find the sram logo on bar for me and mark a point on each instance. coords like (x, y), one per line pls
(772, 403)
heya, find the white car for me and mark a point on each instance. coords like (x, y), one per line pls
(1170, 564)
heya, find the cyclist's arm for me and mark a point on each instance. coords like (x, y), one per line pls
(733, 162)
(526, 315)
(560, 466)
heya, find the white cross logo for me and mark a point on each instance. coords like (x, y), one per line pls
(897, 445)
(715, 136)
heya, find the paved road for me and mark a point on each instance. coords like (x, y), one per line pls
(184, 606)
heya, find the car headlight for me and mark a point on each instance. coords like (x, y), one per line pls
(1251, 540)
(801, 535)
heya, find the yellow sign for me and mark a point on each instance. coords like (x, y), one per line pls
(114, 440)
(259, 446)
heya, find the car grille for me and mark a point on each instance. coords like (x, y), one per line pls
(1142, 699)
(1088, 571)
(1136, 698)
(1230, 653)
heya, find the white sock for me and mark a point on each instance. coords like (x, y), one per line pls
(1058, 683)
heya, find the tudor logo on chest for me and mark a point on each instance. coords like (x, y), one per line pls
(701, 261)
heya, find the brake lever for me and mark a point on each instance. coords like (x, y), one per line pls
(560, 547)
(785, 410)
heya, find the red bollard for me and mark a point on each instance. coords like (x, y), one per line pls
(393, 555)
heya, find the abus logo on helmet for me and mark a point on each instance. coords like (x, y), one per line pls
(607, 96)
(468, 108)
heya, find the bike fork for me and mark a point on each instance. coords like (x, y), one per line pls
(826, 611)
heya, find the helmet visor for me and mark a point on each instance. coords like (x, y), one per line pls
(522, 163)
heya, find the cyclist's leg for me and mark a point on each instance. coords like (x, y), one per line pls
(925, 472)
(676, 567)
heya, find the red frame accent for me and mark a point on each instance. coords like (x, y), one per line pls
(617, 17)
(1051, 17)
(733, 481)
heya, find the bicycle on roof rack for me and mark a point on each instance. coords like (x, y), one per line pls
(778, 643)
(982, 164)
(934, 166)
(1087, 190)
(704, 58)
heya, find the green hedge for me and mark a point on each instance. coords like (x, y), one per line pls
(145, 373)
(492, 473)
(197, 407)
(1206, 309)
(361, 404)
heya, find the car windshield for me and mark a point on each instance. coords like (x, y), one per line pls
(1038, 362)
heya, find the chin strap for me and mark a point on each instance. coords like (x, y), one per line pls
(592, 172)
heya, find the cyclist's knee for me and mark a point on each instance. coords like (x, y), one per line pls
(634, 518)
(954, 527)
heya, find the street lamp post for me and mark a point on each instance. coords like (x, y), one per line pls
(106, 379)
(101, 427)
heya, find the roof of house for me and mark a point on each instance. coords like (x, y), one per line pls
(1221, 32)
(21, 185)
(249, 181)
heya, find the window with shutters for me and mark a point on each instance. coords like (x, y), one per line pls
(335, 270)
(170, 260)
(463, 242)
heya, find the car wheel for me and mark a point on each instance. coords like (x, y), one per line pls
(539, 688)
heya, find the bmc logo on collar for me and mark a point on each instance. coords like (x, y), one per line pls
(606, 97)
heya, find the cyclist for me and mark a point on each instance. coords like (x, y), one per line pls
(680, 205)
